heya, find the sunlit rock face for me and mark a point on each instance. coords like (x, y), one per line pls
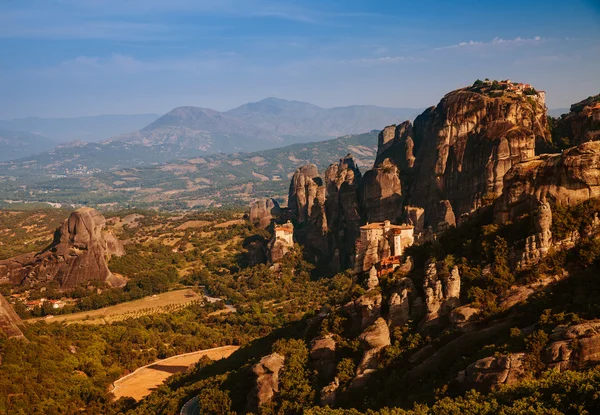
(466, 145)
(568, 178)
(79, 253)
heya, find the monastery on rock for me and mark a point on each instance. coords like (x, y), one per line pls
(382, 244)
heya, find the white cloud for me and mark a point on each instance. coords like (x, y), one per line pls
(497, 41)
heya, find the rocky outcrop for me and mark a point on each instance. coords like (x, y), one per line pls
(306, 201)
(416, 217)
(396, 142)
(10, 322)
(442, 293)
(538, 244)
(460, 316)
(446, 218)
(571, 348)
(452, 161)
(381, 193)
(263, 211)
(372, 281)
(376, 336)
(574, 347)
(373, 340)
(79, 254)
(342, 181)
(364, 310)
(493, 371)
(580, 125)
(329, 393)
(267, 380)
(399, 303)
(562, 179)
(306, 193)
(466, 144)
(322, 356)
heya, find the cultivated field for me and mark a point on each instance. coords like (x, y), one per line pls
(141, 382)
(160, 303)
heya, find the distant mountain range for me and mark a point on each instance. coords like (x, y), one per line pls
(193, 131)
(260, 125)
(17, 144)
(300, 119)
(94, 128)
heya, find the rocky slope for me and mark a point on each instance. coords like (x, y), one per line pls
(568, 178)
(78, 254)
(579, 125)
(202, 131)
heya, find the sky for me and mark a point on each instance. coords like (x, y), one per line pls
(68, 58)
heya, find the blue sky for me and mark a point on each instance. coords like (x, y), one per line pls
(88, 57)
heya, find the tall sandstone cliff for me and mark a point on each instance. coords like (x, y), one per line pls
(471, 150)
(466, 144)
(327, 211)
(79, 253)
(448, 164)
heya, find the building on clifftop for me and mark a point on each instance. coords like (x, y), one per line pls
(382, 244)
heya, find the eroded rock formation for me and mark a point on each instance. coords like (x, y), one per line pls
(322, 356)
(467, 143)
(381, 193)
(538, 244)
(373, 340)
(342, 181)
(267, 380)
(580, 125)
(79, 253)
(442, 293)
(570, 348)
(399, 303)
(263, 211)
(306, 201)
(493, 371)
(562, 179)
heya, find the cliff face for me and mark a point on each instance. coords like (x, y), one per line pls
(327, 210)
(79, 253)
(564, 179)
(342, 207)
(306, 202)
(466, 144)
(580, 125)
(451, 162)
(263, 211)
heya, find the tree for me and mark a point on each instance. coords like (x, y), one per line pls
(214, 401)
